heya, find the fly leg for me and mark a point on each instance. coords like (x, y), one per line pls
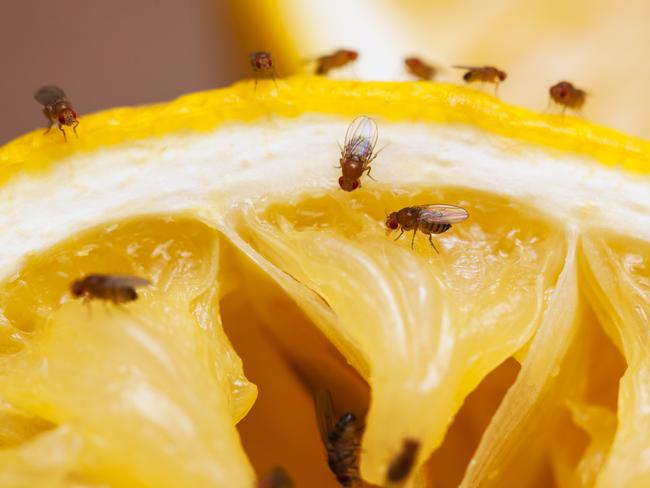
(375, 155)
(368, 173)
(120, 306)
(86, 302)
(65, 138)
(273, 76)
(47, 116)
(413, 238)
(74, 128)
(433, 245)
(401, 231)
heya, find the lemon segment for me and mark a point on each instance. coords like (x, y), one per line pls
(46, 462)
(151, 391)
(618, 273)
(528, 406)
(411, 312)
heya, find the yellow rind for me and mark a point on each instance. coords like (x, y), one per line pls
(394, 101)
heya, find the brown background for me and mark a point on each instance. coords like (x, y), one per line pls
(111, 53)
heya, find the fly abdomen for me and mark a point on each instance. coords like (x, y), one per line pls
(342, 426)
(342, 450)
(434, 227)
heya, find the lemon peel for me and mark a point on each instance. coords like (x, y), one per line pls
(298, 95)
(256, 167)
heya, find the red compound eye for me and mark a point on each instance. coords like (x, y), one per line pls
(77, 288)
(355, 184)
(392, 225)
(61, 119)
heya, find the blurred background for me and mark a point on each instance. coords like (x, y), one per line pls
(126, 52)
(107, 54)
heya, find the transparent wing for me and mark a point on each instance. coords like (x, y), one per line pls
(361, 137)
(463, 66)
(49, 95)
(443, 214)
(324, 413)
(126, 280)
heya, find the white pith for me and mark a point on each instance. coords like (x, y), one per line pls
(241, 163)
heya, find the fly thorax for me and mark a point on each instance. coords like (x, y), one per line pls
(352, 167)
(408, 217)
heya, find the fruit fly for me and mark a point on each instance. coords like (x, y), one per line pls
(483, 74)
(419, 68)
(401, 466)
(341, 440)
(263, 67)
(358, 152)
(567, 95)
(116, 288)
(337, 59)
(277, 478)
(57, 108)
(428, 219)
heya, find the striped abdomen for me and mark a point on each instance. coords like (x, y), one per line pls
(433, 227)
(342, 451)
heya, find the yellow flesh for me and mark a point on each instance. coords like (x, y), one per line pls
(148, 394)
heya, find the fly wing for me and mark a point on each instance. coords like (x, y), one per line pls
(324, 413)
(443, 214)
(361, 137)
(49, 95)
(463, 66)
(126, 280)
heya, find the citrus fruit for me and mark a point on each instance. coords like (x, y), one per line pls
(501, 355)
(537, 43)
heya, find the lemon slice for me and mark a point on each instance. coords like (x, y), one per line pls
(228, 202)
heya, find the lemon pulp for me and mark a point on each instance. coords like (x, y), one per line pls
(244, 221)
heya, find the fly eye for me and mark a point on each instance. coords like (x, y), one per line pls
(258, 64)
(355, 184)
(392, 224)
(76, 289)
(61, 119)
